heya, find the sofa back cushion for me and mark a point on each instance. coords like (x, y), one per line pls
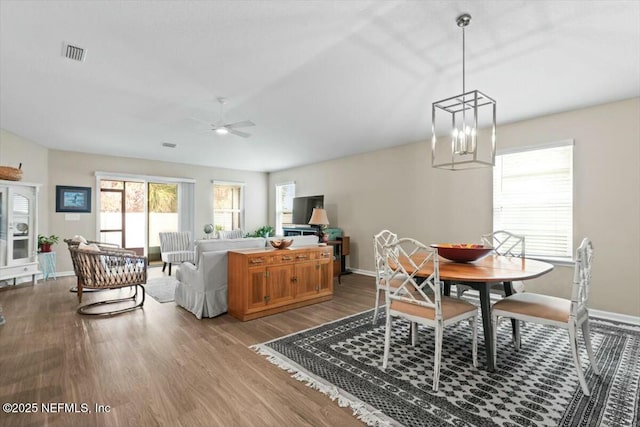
(225, 245)
(308, 240)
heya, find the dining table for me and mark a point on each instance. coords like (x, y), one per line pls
(481, 275)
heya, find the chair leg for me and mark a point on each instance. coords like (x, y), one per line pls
(414, 334)
(573, 340)
(437, 356)
(587, 342)
(164, 266)
(169, 269)
(495, 320)
(459, 290)
(474, 342)
(516, 334)
(375, 312)
(387, 341)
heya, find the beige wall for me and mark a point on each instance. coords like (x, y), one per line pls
(397, 189)
(53, 167)
(35, 169)
(70, 168)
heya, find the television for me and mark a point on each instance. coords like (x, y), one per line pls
(303, 207)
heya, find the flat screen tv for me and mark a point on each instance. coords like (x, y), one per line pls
(303, 207)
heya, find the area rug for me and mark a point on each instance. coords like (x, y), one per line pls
(536, 386)
(162, 289)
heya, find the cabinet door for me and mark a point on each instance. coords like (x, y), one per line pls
(4, 222)
(279, 284)
(21, 234)
(257, 292)
(307, 279)
(326, 277)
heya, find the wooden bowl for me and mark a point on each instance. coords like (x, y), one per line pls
(462, 252)
(281, 244)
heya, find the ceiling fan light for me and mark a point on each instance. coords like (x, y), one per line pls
(222, 131)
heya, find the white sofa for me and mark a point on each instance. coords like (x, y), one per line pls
(202, 288)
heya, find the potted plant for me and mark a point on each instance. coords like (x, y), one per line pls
(45, 242)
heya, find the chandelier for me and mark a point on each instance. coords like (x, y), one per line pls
(463, 126)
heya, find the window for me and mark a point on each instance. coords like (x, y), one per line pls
(284, 205)
(533, 196)
(228, 209)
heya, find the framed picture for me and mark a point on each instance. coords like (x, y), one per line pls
(73, 199)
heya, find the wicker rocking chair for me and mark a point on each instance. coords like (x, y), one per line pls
(109, 269)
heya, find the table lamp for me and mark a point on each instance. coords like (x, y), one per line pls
(320, 219)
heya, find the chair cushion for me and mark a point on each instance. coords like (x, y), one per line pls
(451, 307)
(535, 305)
(230, 234)
(177, 256)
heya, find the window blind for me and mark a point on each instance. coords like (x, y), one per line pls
(533, 196)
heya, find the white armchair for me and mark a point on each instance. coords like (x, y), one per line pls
(175, 247)
(202, 288)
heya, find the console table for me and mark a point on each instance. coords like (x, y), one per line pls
(341, 250)
(268, 281)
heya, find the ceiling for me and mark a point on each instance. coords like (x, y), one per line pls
(320, 79)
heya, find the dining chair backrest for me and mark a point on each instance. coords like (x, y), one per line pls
(381, 239)
(581, 278)
(406, 261)
(505, 243)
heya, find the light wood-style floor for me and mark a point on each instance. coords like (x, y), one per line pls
(159, 366)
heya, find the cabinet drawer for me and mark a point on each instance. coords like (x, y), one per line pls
(282, 257)
(255, 260)
(324, 254)
(19, 270)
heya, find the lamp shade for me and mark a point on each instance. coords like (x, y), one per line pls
(319, 217)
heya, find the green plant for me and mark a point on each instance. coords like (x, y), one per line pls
(47, 240)
(264, 231)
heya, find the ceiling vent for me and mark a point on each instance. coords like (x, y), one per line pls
(169, 144)
(73, 52)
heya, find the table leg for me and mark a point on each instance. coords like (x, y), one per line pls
(485, 309)
(447, 288)
(515, 325)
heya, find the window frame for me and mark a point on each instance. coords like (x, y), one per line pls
(241, 200)
(559, 259)
(278, 207)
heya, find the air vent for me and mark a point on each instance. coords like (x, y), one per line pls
(169, 145)
(73, 52)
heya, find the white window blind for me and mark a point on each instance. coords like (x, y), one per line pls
(533, 196)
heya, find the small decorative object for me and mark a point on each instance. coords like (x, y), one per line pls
(462, 252)
(281, 244)
(73, 199)
(45, 242)
(208, 229)
(10, 173)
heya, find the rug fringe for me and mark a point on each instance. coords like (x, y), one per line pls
(360, 410)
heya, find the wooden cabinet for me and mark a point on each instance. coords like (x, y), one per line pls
(267, 281)
(18, 230)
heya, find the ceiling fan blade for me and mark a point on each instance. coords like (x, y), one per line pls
(199, 120)
(242, 124)
(238, 133)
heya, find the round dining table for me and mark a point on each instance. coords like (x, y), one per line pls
(481, 275)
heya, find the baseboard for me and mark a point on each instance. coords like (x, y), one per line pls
(615, 317)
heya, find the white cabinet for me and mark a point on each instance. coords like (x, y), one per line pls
(18, 230)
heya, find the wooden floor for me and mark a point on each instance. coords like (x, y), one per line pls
(159, 366)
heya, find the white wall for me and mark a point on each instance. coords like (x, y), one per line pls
(397, 189)
(35, 169)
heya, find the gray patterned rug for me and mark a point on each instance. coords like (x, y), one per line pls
(162, 289)
(536, 386)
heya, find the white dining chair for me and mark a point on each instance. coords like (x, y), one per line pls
(381, 239)
(554, 311)
(503, 243)
(421, 301)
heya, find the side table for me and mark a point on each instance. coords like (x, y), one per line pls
(47, 262)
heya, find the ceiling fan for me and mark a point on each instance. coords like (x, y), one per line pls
(222, 128)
